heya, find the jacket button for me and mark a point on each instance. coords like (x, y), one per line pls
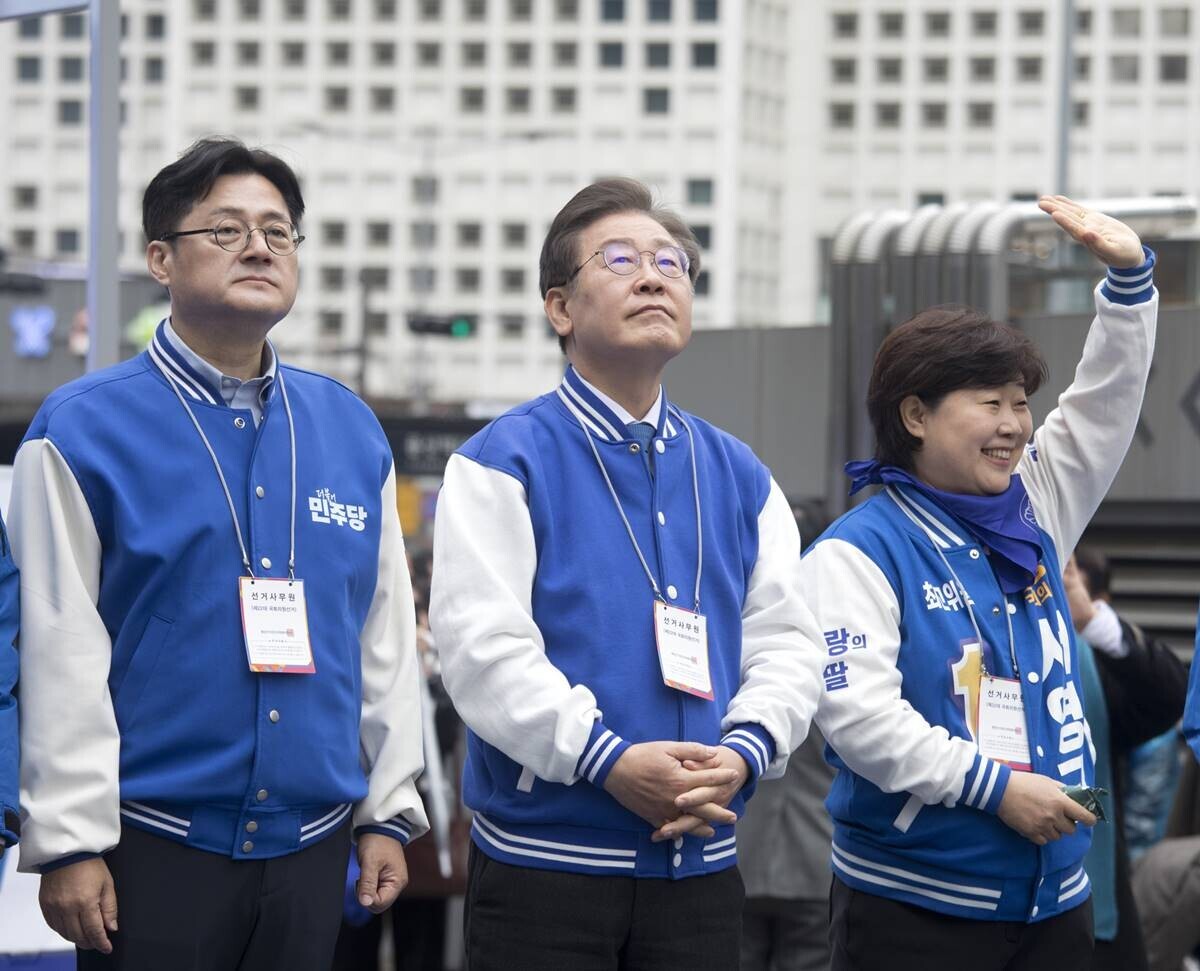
(995, 611)
(659, 447)
(1033, 677)
(252, 827)
(678, 844)
(261, 795)
(974, 554)
(260, 491)
(662, 519)
(239, 422)
(266, 562)
(677, 861)
(635, 448)
(672, 592)
(273, 715)
(1012, 608)
(247, 846)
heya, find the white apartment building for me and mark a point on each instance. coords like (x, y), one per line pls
(915, 101)
(435, 140)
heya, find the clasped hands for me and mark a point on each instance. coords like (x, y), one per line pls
(678, 787)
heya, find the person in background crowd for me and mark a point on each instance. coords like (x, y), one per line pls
(218, 674)
(10, 613)
(617, 611)
(952, 688)
(1191, 715)
(1133, 691)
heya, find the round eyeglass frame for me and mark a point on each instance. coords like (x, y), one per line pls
(294, 239)
(683, 261)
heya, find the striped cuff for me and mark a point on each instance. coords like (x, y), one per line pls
(985, 784)
(600, 754)
(1130, 286)
(754, 744)
(397, 828)
(63, 861)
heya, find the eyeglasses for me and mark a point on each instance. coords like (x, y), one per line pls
(234, 235)
(625, 259)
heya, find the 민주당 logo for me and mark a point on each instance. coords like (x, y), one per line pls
(325, 508)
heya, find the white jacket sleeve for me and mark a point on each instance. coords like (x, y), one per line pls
(70, 748)
(390, 727)
(1078, 450)
(493, 657)
(781, 656)
(878, 734)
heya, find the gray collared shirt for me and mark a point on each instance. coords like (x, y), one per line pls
(248, 395)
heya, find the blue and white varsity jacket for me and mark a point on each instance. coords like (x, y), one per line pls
(914, 802)
(138, 703)
(543, 618)
(9, 616)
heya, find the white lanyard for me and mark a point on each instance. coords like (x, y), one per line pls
(237, 526)
(625, 519)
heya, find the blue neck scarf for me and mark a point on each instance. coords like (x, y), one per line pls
(1004, 523)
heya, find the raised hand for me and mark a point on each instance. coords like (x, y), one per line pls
(1110, 240)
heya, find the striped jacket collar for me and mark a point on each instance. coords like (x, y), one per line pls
(194, 377)
(601, 420)
(942, 529)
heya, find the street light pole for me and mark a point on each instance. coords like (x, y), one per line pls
(1062, 159)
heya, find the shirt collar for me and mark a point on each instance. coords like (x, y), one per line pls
(626, 418)
(212, 375)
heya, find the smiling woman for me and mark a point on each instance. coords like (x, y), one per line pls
(952, 695)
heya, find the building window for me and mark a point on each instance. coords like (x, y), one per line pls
(70, 112)
(330, 323)
(337, 98)
(293, 53)
(1083, 23)
(983, 23)
(425, 189)
(295, 9)
(467, 279)
(566, 54)
(1029, 68)
(154, 70)
(514, 234)
(699, 192)
(520, 11)
(29, 28)
(383, 53)
(1031, 23)
(471, 100)
(566, 10)
(1083, 68)
(936, 69)
(245, 98)
(843, 70)
(703, 234)
(29, 69)
(930, 199)
(704, 55)
(385, 9)
(247, 53)
(1127, 22)
(520, 54)
(512, 280)
(845, 25)
(375, 277)
(563, 100)
(204, 9)
(422, 235)
(887, 114)
(612, 54)
(704, 11)
(429, 54)
(658, 55)
(74, 26)
(512, 326)
(516, 101)
(933, 114)
(612, 11)
(204, 53)
(701, 289)
(1080, 114)
(333, 278)
(422, 279)
(338, 9)
(474, 10)
(980, 114)
(429, 10)
(379, 234)
(658, 10)
(156, 26)
(1123, 68)
(1173, 68)
(383, 99)
(841, 115)
(375, 323)
(25, 196)
(469, 235)
(1174, 22)
(891, 24)
(656, 101)
(474, 54)
(337, 54)
(937, 23)
(983, 69)
(249, 9)
(333, 233)
(66, 240)
(25, 240)
(889, 70)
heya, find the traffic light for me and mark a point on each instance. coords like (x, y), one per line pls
(458, 326)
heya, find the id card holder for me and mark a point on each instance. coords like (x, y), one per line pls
(1002, 733)
(682, 640)
(275, 625)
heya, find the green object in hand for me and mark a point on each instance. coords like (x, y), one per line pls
(1089, 798)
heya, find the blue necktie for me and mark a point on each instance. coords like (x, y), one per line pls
(642, 432)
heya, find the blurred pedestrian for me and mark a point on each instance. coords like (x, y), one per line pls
(10, 612)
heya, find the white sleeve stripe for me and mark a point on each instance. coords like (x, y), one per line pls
(756, 746)
(591, 776)
(1118, 274)
(980, 772)
(586, 761)
(992, 777)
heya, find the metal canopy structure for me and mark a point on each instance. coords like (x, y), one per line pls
(888, 265)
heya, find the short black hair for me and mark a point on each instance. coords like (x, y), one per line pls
(606, 197)
(1093, 565)
(173, 192)
(940, 350)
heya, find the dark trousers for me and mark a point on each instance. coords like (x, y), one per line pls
(781, 934)
(185, 909)
(869, 932)
(544, 920)
(418, 931)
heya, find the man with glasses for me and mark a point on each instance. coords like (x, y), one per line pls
(616, 607)
(218, 666)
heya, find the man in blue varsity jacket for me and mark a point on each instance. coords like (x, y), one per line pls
(10, 824)
(616, 606)
(218, 666)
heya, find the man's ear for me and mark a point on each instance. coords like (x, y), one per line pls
(557, 313)
(159, 257)
(913, 413)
